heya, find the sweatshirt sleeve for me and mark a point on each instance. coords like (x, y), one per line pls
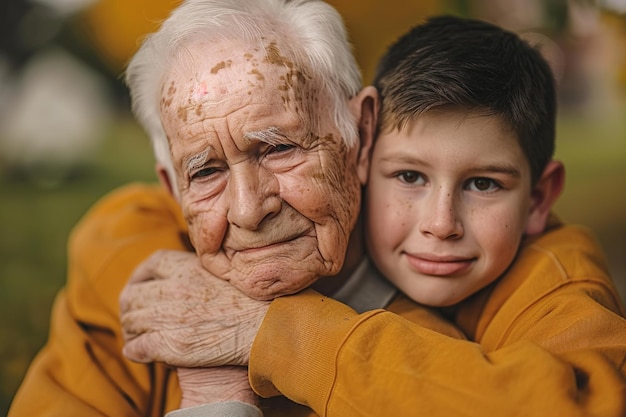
(320, 353)
(81, 370)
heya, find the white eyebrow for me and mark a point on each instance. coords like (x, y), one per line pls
(271, 136)
(196, 161)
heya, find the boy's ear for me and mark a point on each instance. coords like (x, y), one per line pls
(165, 179)
(364, 107)
(543, 196)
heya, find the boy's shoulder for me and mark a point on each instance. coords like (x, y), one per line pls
(561, 274)
(564, 257)
(565, 252)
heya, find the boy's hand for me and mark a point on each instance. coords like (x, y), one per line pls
(172, 310)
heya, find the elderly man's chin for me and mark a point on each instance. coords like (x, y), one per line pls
(274, 281)
(265, 274)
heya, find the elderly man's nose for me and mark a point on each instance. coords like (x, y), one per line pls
(252, 199)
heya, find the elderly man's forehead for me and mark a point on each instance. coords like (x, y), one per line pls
(211, 66)
(217, 54)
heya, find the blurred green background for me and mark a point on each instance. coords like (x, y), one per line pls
(46, 188)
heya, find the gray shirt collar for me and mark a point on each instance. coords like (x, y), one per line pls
(366, 289)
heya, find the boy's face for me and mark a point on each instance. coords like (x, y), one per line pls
(447, 204)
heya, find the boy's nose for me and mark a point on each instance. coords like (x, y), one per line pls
(253, 196)
(440, 218)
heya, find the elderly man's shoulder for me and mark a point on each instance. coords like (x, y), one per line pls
(128, 210)
(116, 234)
(130, 222)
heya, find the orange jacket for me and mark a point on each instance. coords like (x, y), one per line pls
(81, 371)
(550, 337)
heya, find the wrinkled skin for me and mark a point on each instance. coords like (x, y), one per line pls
(270, 192)
(211, 385)
(174, 311)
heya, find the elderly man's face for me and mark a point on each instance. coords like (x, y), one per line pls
(270, 195)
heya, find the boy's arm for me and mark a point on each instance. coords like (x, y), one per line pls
(81, 370)
(552, 342)
(322, 354)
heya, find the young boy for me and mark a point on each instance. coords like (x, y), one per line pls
(462, 165)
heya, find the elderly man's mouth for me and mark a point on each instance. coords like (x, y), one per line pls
(250, 248)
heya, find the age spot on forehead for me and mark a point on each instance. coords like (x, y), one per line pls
(257, 74)
(274, 57)
(166, 99)
(250, 58)
(172, 89)
(221, 66)
(294, 80)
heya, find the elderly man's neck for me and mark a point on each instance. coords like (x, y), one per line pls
(354, 256)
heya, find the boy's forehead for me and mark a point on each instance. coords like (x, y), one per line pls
(456, 132)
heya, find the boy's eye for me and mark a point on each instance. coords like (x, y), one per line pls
(482, 184)
(410, 177)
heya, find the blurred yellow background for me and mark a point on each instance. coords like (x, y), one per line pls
(60, 69)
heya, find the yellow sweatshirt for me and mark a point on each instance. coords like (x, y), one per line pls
(549, 338)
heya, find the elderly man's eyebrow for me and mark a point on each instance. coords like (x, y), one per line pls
(196, 161)
(272, 136)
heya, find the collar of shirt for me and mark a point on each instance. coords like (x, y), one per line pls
(366, 289)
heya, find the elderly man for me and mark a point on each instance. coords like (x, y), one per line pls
(262, 137)
(254, 129)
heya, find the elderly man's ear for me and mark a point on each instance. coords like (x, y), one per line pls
(165, 179)
(364, 107)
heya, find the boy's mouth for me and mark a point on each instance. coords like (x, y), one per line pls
(435, 265)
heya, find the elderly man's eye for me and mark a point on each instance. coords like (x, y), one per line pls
(281, 148)
(203, 173)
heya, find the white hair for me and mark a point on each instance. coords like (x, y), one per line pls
(314, 30)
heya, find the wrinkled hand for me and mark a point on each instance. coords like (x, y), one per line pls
(211, 385)
(174, 311)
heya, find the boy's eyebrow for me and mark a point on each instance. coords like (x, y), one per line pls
(503, 168)
(406, 159)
